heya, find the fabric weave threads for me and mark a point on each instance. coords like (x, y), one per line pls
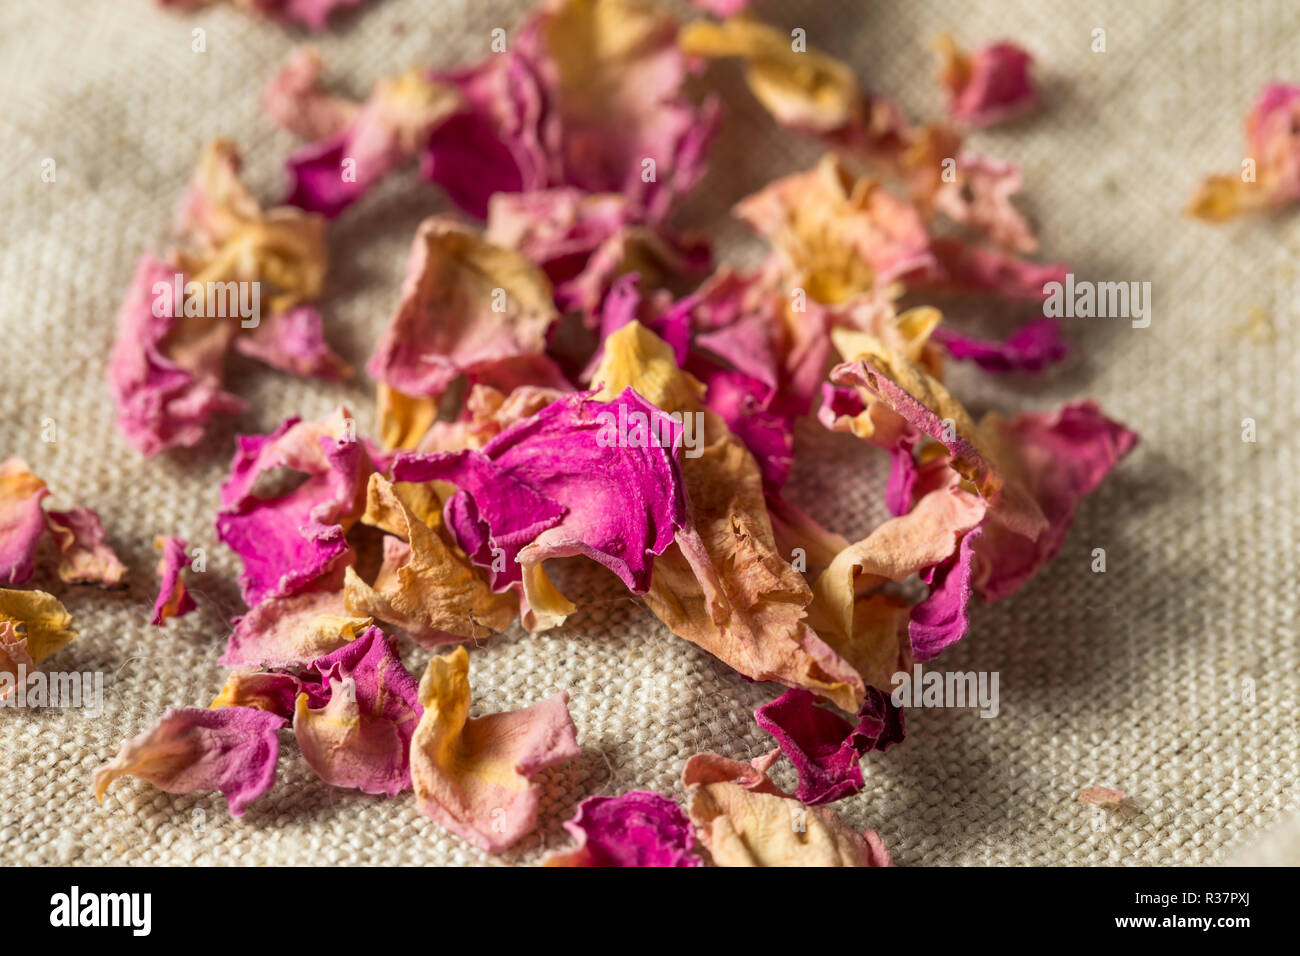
(1134, 679)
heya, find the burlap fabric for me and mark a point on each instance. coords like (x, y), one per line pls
(1171, 676)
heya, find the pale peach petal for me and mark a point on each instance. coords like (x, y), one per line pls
(474, 775)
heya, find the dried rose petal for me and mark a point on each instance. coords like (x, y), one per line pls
(33, 625)
(838, 237)
(748, 822)
(85, 556)
(474, 775)
(1102, 796)
(295, 630)
(466, 306)
(426, 586)
(22, 520)
(824, 747)
(723, 585)
(1272, 178)
(290, 540)
(360, 736)
(173, 599)
(637, 829)
(599, 479)
(1031, 348)
(389, 129)
(312, 14)
(989, 86)
(232, 749)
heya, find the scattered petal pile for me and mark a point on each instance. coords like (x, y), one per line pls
(568, 375)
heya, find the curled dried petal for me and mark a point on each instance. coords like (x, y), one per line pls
(474, 776)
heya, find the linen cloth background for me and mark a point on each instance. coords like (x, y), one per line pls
(1139, 678)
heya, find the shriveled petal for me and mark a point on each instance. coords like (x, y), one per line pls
(964, 268)
(980, 197)
(582, 477)
(941, 619)
(264, 690)
(389, 129)
(361, 736)
(474, 776)
(495, 143)
(293, 631)
(173, 598)
(824, 747)
(85, 556)
(838, 237)
(232, 749)
(466, 304)
(164, 395)
(312, 14)
(869, 631)
(22, 520)
(925, 404)
(294, 342)
(290, 540)
(426, 586)
(748, 826)
(722, 8)
(33, 625)
(614, 76)
(1032, 470)
(991, 85)
(723, 585)
(1058, 458)
(295, 99)
(180, 316)
(1274, 145)
(16, 665)
(1031, 348)
(639, 828)
(228, 237)
(802, 89)
(585, 242)
(40, 619)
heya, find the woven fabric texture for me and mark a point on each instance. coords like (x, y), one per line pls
(1173, 676)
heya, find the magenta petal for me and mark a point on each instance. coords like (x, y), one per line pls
(294, 342)
(231, 749)
(961, 267)
(723, 9)
(639, 828)
(565, 482)
(173, 599)
(22, 520)
(1031, 348)
(160, 403)
(316, 181)
(743, 403)
(942, 619)
(824, 747)
(494, 145)
(1000, 86)
(355, 727)
(1059, 458)
(494, 512)
(290, 540)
